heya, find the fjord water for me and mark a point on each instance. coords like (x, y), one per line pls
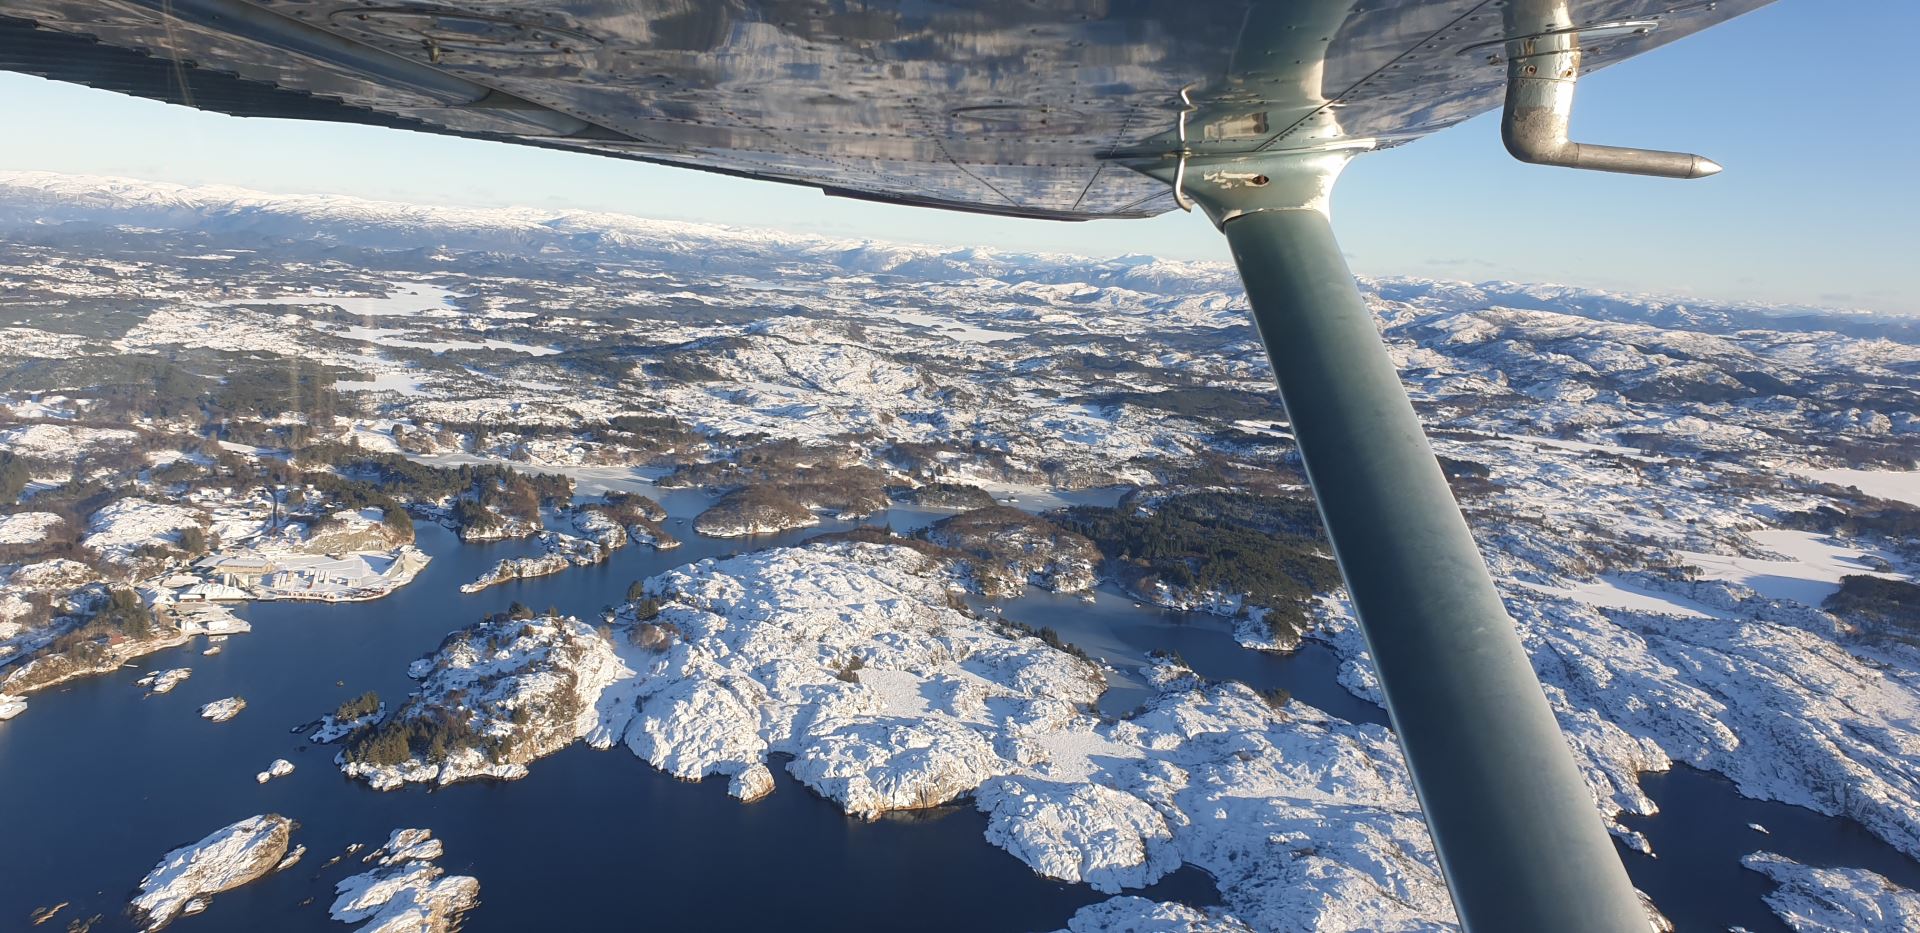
(99, 780)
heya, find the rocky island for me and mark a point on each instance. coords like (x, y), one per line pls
(227, 858)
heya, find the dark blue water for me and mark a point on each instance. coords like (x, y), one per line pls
(1702, 832)
(99, 781)
(1117, 630)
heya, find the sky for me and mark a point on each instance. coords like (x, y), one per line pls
(1810, 104)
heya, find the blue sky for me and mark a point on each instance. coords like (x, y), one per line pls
(1809, 103)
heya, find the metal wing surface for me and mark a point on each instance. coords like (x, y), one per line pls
(1020, 107)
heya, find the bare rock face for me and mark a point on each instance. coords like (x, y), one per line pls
(226, 859)
(347, 532)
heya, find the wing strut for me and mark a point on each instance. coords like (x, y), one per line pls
(1519, 838)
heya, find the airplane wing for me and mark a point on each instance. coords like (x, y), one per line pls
(1018, 107)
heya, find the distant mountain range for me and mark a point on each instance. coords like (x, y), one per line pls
(31, 201)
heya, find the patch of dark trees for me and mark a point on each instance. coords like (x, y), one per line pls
(1268, 548)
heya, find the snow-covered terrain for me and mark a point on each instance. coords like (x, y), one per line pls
(1702, 517)
(28, 527)
(849, 658)
(60, 441)
(227, 858)
(117, 530)
(562, 551)
(164, 681)
(1835, 900)
(406, 892)
(223, 709)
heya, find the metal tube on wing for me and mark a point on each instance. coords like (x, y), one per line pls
(1520, 841)
(1543, 67)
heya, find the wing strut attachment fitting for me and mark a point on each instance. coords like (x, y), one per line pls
(1520, 841)
(1543, 65)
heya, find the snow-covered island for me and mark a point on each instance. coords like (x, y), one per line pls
(164, 681)
(280, 768)
(850, 658)
(188, 877)
(406, 892)
(561, 551)
(223, 709)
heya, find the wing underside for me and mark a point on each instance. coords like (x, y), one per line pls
(1014, 107)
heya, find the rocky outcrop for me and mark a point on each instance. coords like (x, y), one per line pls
(498, 529)
(518, 568)
(406, 892)
(223, 710)
(1832, 900)
(164, 681)
(227, 858)
(562, 551)
(494, 697)
(350, 531)
(599, 528)
(331, 729)
(642, 518)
